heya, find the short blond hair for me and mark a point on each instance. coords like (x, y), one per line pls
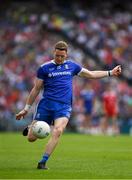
(61, 45)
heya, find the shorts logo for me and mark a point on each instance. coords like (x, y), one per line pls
(38, 115)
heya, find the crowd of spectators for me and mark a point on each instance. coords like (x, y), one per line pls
(106, 34)
(26, 42)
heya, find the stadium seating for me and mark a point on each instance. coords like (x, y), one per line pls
(97, 40)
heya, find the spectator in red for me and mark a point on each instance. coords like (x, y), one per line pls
(110, 108)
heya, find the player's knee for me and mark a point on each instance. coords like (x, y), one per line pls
(31, 139)
(57, 132)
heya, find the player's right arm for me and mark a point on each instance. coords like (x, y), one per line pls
(31, 98)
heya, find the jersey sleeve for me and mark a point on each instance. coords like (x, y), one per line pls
(77, 69)
(40, 73)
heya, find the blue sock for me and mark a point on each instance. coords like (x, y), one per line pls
(44, 158)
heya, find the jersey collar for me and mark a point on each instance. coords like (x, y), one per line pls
(53, 61)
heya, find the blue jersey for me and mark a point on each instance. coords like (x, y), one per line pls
(88, 96)
(58, 80)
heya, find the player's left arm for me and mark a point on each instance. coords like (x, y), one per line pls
(100, 74)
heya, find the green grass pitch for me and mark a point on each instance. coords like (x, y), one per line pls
(76, 157)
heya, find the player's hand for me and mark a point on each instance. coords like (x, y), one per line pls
(21, 114)
(116, 71)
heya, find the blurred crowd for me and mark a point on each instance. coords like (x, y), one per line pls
(27, 37)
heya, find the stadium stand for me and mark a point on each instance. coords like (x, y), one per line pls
(97, 39)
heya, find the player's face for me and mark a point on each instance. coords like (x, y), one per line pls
(60, 56)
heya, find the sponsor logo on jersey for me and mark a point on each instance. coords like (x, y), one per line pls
(64, 73)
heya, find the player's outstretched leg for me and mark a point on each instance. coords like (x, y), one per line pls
(58, 129)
